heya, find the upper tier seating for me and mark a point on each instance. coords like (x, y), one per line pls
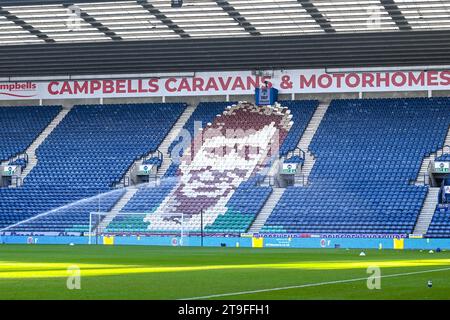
(367, 152)
(19, 127)
(85, 155)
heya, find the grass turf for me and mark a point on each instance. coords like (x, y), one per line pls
(141, 272)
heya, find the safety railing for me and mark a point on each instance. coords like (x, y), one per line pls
(296, 152)
(300, 179)
(445, 150)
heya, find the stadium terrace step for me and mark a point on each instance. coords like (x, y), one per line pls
(173, 134)
(164, 146)
(301, 114)
(31, 150)
(84, 157)
(366, 151)
(271, 202)
(423, 172)
(19, 127)
(427, 212)
(218, 185)
(129, 193)
(307, 137)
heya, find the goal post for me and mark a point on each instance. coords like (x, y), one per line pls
(95, 218)
(174, 225)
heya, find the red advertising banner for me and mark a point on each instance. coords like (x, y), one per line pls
(231, 83)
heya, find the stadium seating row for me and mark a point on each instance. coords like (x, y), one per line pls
(20, 126)
(85, 155)
(367, 152)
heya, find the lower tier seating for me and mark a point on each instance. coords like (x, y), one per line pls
(440, 224)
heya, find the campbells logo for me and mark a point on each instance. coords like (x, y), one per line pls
(14, 89)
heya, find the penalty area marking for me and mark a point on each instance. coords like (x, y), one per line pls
(311, 285)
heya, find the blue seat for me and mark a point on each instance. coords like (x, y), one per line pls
(86, 155)
(367, 152)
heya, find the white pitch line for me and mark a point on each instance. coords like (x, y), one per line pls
(311, 285)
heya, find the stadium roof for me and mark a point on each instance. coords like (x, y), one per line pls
(62, 21)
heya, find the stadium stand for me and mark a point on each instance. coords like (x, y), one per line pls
(246, 200)
(19, 126)
(148, 199)
(367, 153)
(87, 154)
(234, 147)
(359, 183)
(440, 224)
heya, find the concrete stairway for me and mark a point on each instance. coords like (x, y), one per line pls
(266, 210)
(427, 212)
(164, 146)
(308, 135)
(303, 144)
(31, 150)
(271, 172)
(427, 160)
(129, 193)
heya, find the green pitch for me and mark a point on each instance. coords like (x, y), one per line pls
(135, 272)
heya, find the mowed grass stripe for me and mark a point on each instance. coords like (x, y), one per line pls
(143, 272)
(220, 295)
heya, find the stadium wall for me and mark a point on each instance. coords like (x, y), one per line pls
(245, 242)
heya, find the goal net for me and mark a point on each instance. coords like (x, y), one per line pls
(174, 225)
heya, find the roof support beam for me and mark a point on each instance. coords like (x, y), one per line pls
(5, 3)
(16, 20)
(317, 15)
(163, 18)
(396, 15)
(98, 25)
(233, 13)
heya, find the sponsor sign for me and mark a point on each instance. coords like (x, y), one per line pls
(441, 167)
(9, 171)
(334, 235)
(289, 168)
(236, 82)
(145, 169)
(279, 243)
(246, 235)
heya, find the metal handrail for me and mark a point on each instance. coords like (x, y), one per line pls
(126, 181)
(18, 181)
(426, 179)
(23, 155)
(443, 149)
(301, 177)
(271, 180)
(292, 153)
